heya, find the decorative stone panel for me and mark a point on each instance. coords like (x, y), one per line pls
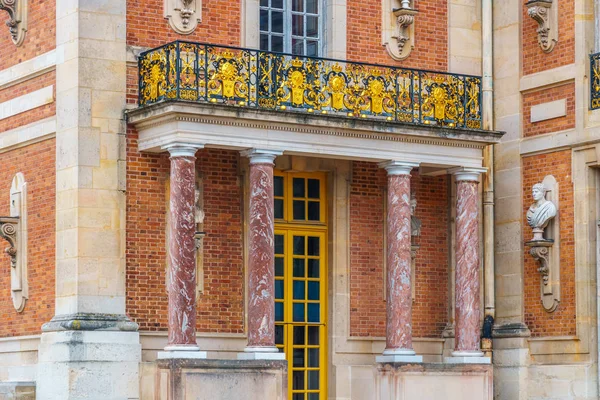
(545, 13)
(17, 19)
(398, 31)
(183, 15)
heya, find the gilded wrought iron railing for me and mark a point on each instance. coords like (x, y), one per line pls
(594, 81)
(208, 73)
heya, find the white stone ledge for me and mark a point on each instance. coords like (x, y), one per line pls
(28, 134)
(551, 77)
(27, 102)
(30, 69)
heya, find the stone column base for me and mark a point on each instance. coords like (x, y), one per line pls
(430, 381)
(96, 364)
(180, 379)
(467, 360)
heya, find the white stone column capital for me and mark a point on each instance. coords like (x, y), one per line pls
(394, 167)
(261, 156)
(467, 174)
(182, 149)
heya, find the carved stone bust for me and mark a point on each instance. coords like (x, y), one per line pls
(415, 223)
(541, 211)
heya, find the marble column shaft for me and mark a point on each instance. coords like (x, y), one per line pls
(399, 302)
(467, 267)
(182, 254)
(261, 258)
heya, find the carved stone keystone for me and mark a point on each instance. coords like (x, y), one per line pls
(398, 29)
(183, 15)
(545, 13)
(17, 19)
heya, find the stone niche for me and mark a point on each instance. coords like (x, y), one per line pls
(434, 381)
(206, 379)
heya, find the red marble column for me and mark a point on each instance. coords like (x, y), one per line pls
(182, 251)
(261, 257)
(467, 266)
(399, 294)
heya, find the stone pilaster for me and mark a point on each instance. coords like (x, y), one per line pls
(399, 299)
(261, 258)
(467, 291)
(90, 341)
(182, 255)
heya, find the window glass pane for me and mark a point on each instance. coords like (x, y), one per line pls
(313, 245)
(312, 48)
(298, 5)
(313, 380)
(312, 6)
(312, 26)
(278, 334)
(313, 268)
(277, 43)
(278, 208)
(278, 244)
(278, 311)
(277, 3)
(278, 266)
(298, 378)
(299, 245)
(314, 211)
(314, 189)
(299, 212)
(313, 358)
(299, 290)
(299, 268)
(299, 337)
(278, 186)
(298, 24)
(298, 47)
(279, 289)
(264, 3)
(298, 312)
(264, 42)
(264, 20)
(313, 396)
(277, 21)
(313, 312)
(299, 358)
(298, 396)
(313, 290)
(313, 335)
(298, 190)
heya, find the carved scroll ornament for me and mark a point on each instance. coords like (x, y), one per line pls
(183, 15)
(545, 13)
(17, 19)
(398, 30)
(9, 227)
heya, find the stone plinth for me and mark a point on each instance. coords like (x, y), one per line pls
(395, 381)
(179, 379)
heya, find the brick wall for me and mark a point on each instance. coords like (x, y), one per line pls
(431, 33)
(566, 91)
(40, 38)
(367, 307)
(37, 163)
(534, 58)
(146, 25)
(562, 321)
(220, 308)
(35, 114)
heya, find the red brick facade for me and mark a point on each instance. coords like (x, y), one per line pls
(534, 58)
(37, 163)
(561, 322)
(40, 38)
(367, 306)
(431, 33)
(567, 92)
(221, 306)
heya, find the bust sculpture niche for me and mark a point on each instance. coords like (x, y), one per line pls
(541, 212)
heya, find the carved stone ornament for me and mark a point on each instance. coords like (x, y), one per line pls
(546, 251)
(17, 19)
(545, 13)
(398, 28)
(13, 229)
(183, 15)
